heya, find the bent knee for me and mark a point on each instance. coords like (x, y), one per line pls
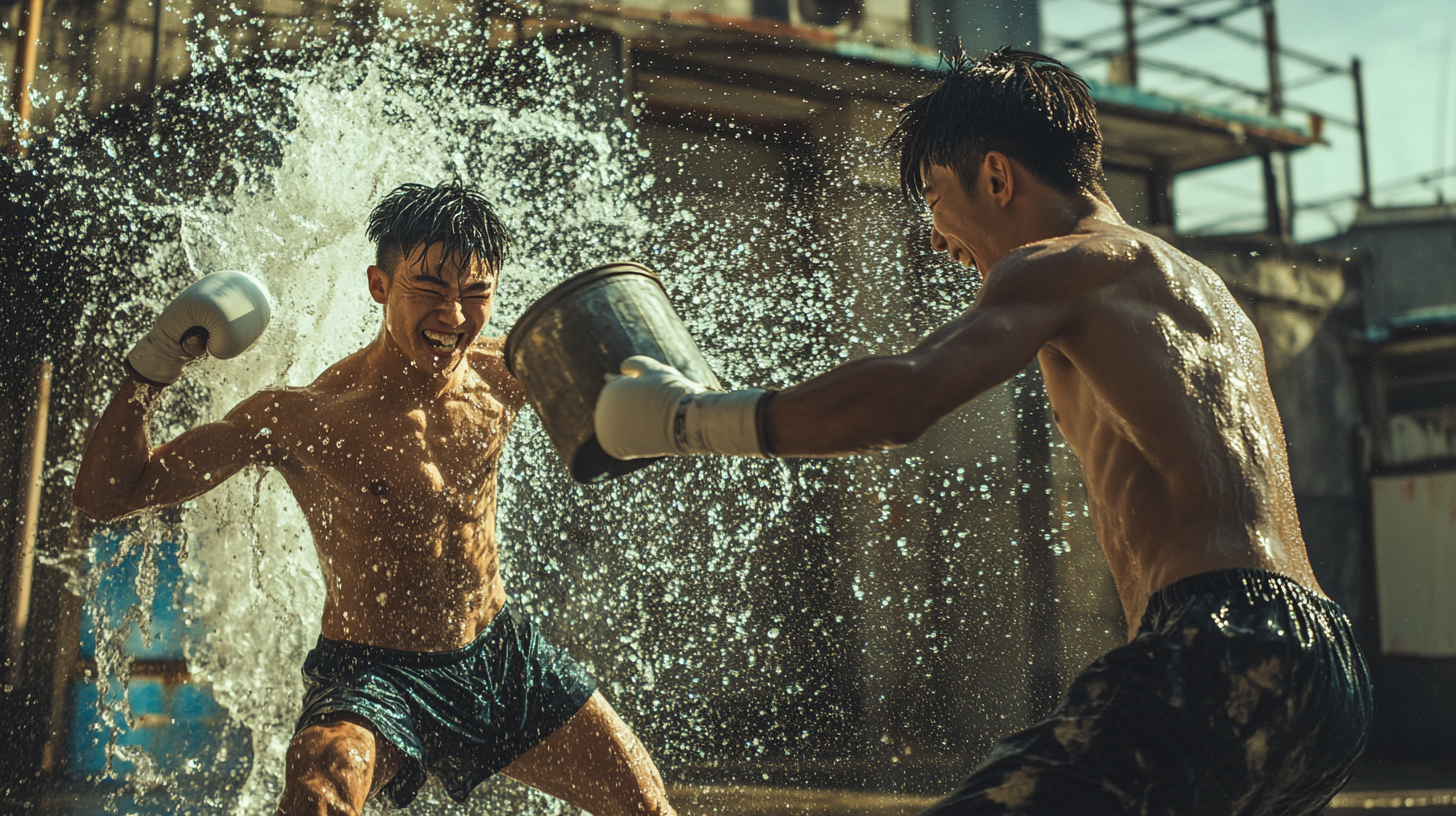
(329, 772)
(650, 802)
(657, 806)
(315, 797)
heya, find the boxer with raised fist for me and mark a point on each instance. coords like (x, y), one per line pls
(423, 668)
(221, 315)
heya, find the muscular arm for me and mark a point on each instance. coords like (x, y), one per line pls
(884, 402)
(121, 473)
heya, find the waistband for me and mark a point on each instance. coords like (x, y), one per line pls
(330, 649)
(1255, 585)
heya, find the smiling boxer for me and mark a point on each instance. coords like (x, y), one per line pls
(423, 667)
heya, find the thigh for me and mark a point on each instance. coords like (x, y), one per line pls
(1125, 739)
(596, 763)
(340, 762)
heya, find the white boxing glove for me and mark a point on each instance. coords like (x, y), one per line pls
(228, 311)
(652, 409)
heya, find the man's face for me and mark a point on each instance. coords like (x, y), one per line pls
(434, 310)
(959, 221)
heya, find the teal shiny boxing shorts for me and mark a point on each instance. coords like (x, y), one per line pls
(461, 715)
(1243, 694)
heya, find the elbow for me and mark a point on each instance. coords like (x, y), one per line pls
(904, 431)
(97, 508)
(94, 511)
(909, 416)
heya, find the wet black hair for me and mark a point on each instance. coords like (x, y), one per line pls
(1024, 104)
(450, 214)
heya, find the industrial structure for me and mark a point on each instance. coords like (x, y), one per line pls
(785, 91)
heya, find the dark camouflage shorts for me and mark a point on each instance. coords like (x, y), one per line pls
(1243, 694)
(461, 715)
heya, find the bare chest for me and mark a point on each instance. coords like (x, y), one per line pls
(440, 457)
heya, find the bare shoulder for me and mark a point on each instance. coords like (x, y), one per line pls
(1068, 267)
(296, 410)
(260, 424)
(278, 410)
(487, 356)
(255, 411)
(493, 348)
(344, 375)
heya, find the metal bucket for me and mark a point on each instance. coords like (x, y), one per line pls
(564, 345)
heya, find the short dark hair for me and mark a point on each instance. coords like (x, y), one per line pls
(1024, 104)
(450, 214)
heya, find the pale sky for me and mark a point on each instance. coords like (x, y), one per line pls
(1409, 63)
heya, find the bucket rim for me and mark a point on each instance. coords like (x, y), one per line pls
(567, 287)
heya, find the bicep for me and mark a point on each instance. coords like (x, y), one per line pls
(984, 348)
(200, 459)
(881, 402)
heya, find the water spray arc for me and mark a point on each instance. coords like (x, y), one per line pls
(659, 582)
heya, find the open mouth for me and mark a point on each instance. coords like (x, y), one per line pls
(444, 341)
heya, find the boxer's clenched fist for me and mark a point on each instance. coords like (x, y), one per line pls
(652, 409)
(222, 314)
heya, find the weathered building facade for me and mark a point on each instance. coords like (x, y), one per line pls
(958, 582)
(1408, 388)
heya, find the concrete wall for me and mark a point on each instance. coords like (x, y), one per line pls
(1411, 280)
(1408, 383)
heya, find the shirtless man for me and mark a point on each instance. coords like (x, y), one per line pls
(423, 667)
(1241, 690)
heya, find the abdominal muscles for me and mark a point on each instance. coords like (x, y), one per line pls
(416, 570)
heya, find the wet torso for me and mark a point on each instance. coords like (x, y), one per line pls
(1159, 385)
(400, 495)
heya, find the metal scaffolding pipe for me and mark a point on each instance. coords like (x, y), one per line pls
(1129, 33)
(1271, 48)
(1274, 221)
(1360, 129)
(1278, 180)
(25, 61)
(22, 562)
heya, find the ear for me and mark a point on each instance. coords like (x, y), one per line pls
(997, 177)
(378, 285)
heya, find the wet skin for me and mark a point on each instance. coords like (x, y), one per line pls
(392, 455)
(1155, 375)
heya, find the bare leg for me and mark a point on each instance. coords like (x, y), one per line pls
(596, 763)
(334, 766)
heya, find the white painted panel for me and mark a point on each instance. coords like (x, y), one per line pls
(1415, 563)
(1422, 436)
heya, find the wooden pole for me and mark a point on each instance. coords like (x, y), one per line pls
(157, 18)
(25, 60)
(22, 562)
(1034, 519)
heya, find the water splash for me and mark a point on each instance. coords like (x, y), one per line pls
(666, 584)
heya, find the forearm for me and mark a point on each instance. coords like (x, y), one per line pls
(117, 454)
(866, 405)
